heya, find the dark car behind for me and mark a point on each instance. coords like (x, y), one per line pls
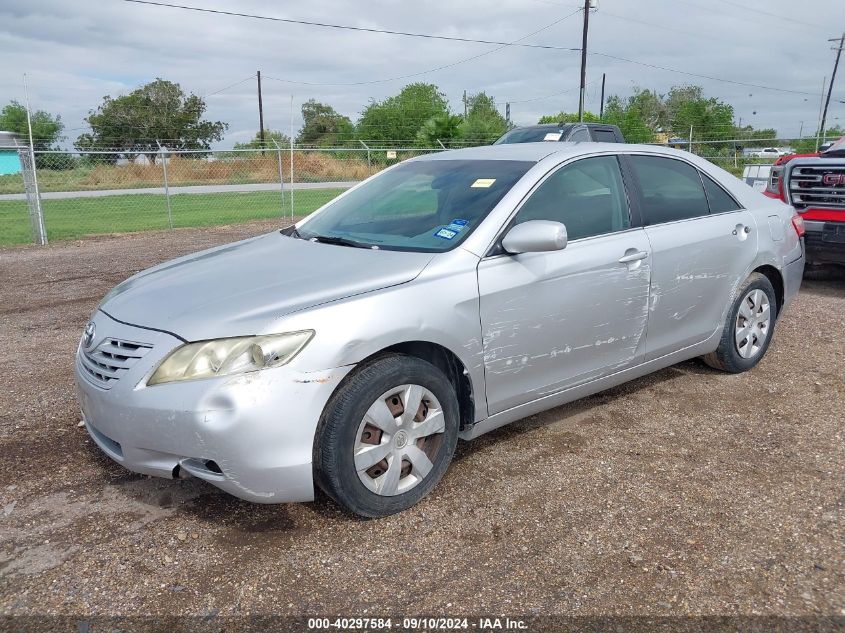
(571, 132)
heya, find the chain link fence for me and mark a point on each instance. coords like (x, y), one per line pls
(118, 192)
(91, 193)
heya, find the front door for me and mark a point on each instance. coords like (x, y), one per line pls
(558, 319)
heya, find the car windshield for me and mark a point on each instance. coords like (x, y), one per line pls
(426, 205)
(532, 134)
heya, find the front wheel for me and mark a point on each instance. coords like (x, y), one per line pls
(387, 436)
(749, 328)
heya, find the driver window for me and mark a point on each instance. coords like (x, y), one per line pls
(588, 196)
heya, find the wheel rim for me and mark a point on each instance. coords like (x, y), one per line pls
(398, 440)
(753, 323)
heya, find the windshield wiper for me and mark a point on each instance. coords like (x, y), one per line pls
(339, 241)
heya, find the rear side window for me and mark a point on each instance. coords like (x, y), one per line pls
(720, 201)
(604, 136)
(671, 189)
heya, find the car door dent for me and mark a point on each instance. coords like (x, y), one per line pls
(511, 339)
(620, 375)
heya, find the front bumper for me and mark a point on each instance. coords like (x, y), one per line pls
(251, 435)
(825, 242)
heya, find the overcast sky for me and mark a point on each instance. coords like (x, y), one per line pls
(75, 52)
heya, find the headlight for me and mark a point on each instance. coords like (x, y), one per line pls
(227, 356)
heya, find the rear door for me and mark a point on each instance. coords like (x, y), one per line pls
(558, 319)
(702, 244)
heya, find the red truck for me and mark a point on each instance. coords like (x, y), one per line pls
(815, 185)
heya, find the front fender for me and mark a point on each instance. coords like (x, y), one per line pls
(440, 306)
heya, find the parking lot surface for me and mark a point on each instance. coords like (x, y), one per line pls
(686, 492)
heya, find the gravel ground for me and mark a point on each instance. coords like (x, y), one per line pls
(687, 492)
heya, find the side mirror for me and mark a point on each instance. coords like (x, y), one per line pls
(535, 236)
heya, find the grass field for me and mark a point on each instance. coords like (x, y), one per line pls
(76, 217)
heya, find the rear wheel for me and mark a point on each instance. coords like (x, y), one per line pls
(749, 328)
(387, 436)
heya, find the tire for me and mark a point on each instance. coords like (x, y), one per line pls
(366, 415)
(745, 338)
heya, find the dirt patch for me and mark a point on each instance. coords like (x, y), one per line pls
(686, 492)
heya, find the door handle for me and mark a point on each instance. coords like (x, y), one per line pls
(633, 257)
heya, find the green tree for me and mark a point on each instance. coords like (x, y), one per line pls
(650, 108)
(322, 125)
(46, 128)
(709, 120)
(157, 111)
(441, 127)
(400, 117)
(755, 138)
(269, 136)
(568, 117)
(807, 145)
(629, 117)
(483, 123)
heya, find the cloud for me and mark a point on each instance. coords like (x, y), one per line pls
(75, 53)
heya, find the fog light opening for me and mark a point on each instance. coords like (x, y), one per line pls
(213, 467)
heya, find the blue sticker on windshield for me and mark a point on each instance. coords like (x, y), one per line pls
(446, 234)
(457, 226)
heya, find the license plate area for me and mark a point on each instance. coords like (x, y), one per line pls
(834, 232)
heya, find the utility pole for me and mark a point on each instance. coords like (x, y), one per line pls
(838, 50)
(260, 114)
(508, 113)
(821, 105)
(601, 108)
(584, 59)
(465, 104)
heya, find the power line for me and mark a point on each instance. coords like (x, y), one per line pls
(663, 27)
(459, 39)
(430, 70)
(554, 94)
(237, 83)
(347, 27)
(790, 19)
(700, 76)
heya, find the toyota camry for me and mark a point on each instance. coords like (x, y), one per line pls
(440, 299)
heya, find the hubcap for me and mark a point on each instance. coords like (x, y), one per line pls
(753, 323)
(399, 439)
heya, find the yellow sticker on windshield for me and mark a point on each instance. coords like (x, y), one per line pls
(483, 182)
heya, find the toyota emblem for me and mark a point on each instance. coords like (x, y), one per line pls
(88, 335)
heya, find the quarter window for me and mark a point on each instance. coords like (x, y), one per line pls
(579, 135)
(604, 136)
(720, 201)
(671, 189)
(587, 196)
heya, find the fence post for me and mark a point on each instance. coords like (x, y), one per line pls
(369, 162)
(291, 179)
(166, 186)
(281, 175)
(33, 195)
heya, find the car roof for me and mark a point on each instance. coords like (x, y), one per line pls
(535, 152)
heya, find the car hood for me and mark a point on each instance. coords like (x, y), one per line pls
(241, 288)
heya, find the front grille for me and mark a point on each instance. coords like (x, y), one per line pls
(807, 187)
(105, 364)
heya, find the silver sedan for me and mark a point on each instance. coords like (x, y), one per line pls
(443, 298)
